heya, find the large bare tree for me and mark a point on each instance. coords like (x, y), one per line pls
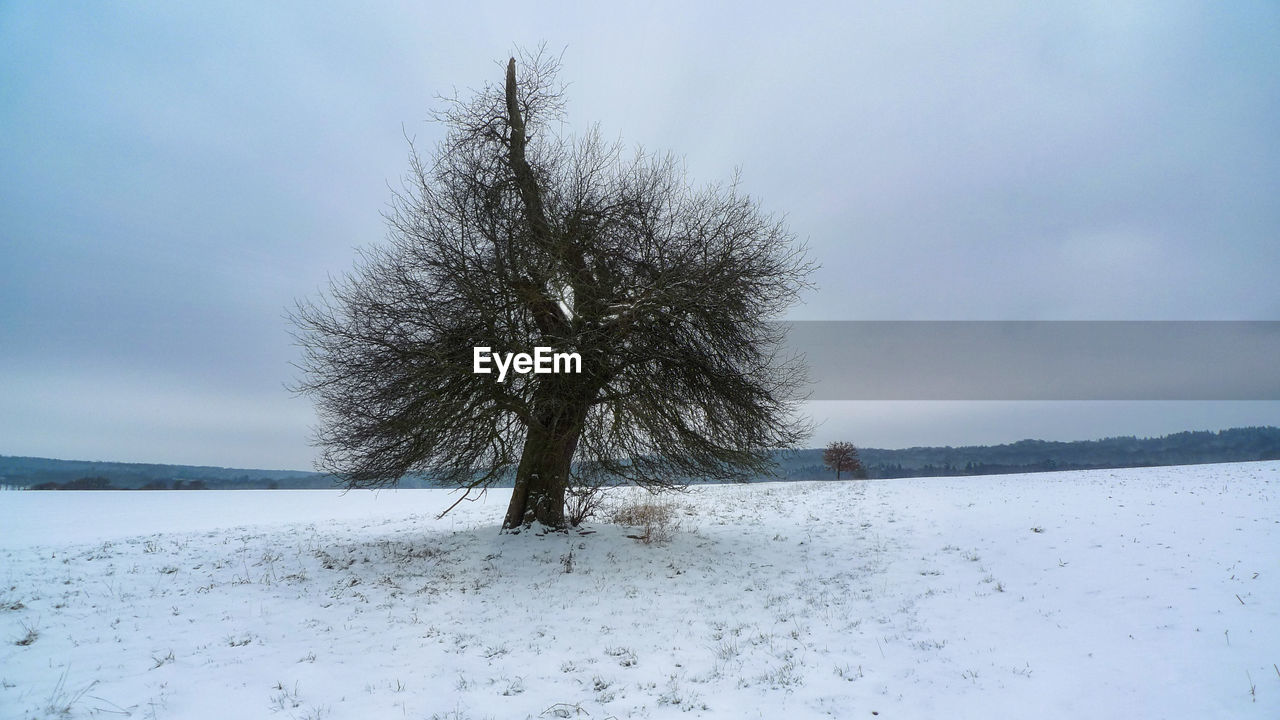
(512, 236)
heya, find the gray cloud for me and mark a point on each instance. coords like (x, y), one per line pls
(176, 176)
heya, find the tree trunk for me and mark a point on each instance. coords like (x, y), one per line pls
(561, 407)
(543, 474)
(541, 480)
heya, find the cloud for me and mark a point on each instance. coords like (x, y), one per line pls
(176, 175)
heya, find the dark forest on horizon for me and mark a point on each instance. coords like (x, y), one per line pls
(1025, 456)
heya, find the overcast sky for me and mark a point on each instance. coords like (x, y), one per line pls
(175, 176)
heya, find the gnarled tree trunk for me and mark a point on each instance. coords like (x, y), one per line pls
(543, 474)
(561, 407)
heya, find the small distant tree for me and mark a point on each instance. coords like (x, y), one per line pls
(843, 456)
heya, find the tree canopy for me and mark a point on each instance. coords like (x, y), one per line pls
(511, 236)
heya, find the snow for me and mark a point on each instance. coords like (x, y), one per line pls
(1150, 593)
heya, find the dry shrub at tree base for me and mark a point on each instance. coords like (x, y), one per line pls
(656, 518)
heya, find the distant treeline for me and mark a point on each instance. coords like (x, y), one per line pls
(101, 483)
(47, 474)
(1184, 448)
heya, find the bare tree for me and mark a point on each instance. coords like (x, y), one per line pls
(514, 237)
(843, 456)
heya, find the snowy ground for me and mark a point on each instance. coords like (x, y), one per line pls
(1148, 593)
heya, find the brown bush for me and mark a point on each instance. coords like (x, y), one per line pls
(656, 519)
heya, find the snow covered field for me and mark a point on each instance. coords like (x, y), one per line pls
(1150, 593)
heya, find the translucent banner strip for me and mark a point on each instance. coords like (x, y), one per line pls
(1040, 360)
